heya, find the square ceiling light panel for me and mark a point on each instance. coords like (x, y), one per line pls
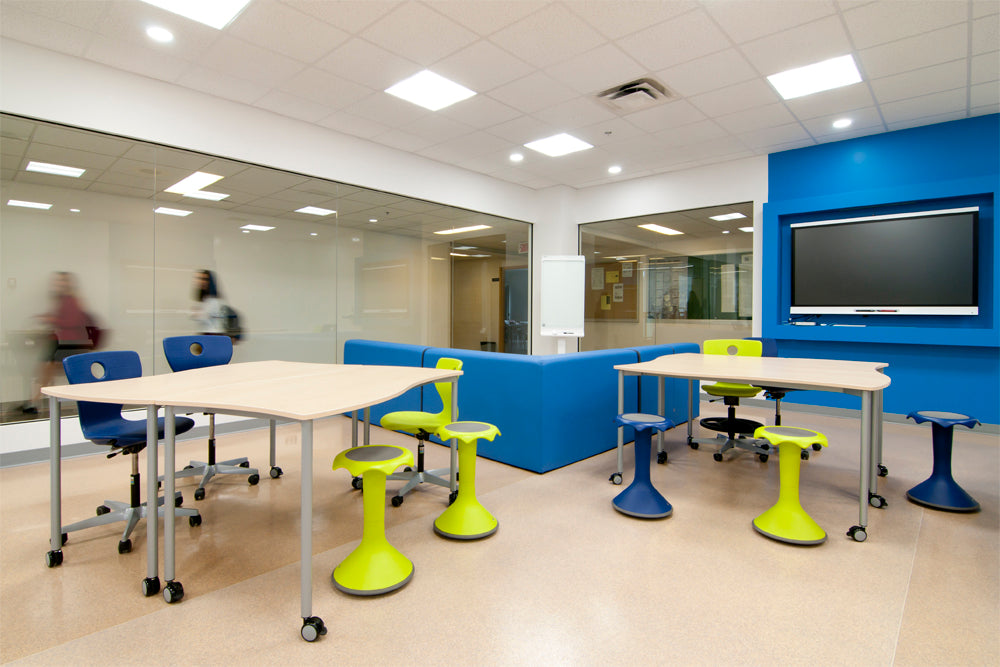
(558, 145)
(815, 78)
(213, 13)
(429, 90)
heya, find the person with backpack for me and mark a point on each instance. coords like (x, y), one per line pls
(213, 315)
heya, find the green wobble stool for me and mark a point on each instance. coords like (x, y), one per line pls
(375, 566)
(466, 518)
(786, 521)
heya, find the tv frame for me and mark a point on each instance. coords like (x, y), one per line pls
(888, 309)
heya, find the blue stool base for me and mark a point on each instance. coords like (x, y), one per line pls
(643, 501)
(942, 493)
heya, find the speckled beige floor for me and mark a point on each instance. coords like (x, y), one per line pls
(566, 579)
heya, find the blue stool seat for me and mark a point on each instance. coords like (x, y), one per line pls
(641, 499)
(940, 490)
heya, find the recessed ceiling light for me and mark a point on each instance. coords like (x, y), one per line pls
(614, 170)
(725, 231)
(28, 204)
(832, 73)
(213, 13)
(314, 210)
(193, 183)
(558, 145)
(74, 210)
(56, 169)
(473, 228)
(516, 157)
(429, 90)
(313, 234)
(660, 229)
(372, 219)
(158, 34)
(172, 211)
(257, 228)
(246, 231)
(205, 194)
(462, 254)
(728, 216)
(841, 123)
(749, 230)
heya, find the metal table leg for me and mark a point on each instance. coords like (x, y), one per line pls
(54, 556)
(173, 591)
(312, 626)
(151, 584)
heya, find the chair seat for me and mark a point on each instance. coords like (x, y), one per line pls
(127, 432)
(468, 431)
(384, 458)
(641, 422)
(728, 389)
(801, 437)
(945, 419)
(413, 422)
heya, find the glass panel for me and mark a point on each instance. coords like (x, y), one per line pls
(648, 287)
(356, 263)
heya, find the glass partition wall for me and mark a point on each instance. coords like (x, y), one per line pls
(684, 276)
(305, 262)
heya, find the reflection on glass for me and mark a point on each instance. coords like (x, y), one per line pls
(305, 262)
(644, 287)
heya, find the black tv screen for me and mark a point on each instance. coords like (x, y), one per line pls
(909, 264)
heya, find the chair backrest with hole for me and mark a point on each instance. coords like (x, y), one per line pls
(101, 422)
(186, 352)
(444, 388)
(732, 347)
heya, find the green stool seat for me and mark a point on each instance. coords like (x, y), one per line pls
(466, 518)
(786, 521)
(375, 566)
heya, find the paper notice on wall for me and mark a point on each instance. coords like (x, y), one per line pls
(611, 276)
(618, 292)
(627, 270)
(597, 278)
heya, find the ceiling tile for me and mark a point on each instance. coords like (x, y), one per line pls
(352, 16)
(436, 128)
(533, 93)
(597, 70)
(676, 41)
(624, 17)
(404, 141)
(711, 72)
(221, 85)
(367, 64)
(151, 62)
(838, 100)
(811, 43)
(985, 97)
(485, 18)
(742, 96)
(32, 28)
(387, 110)
(668, 114)
(238, 58)
(437, 37)
(985, 67)
(922, 81)
(780, 135)
(482, 66)
(284, 30)
(882, 22)
(86, 15)
(293, 106)
(325, 88)
(480, 112)
(920, 121)
(928, 105)
(986, 33)
(772, 115)
(577, 113)
(565, 35)
(864, 121)
(692, 134)
(744, 21)
(930, 48)
(357, 126)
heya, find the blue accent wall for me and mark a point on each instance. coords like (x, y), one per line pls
(936, 362)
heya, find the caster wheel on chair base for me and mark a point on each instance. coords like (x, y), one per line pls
(717, 456)
(396, 501)
(199, 494)
(150, 586)
(661, 457)
(125, 546)
(857, 533)
(194, 521)
(245, 464)
(312, 628)
(54, 558)
(763, 457)
(692, 444)
(276, 472)
(357, 483)
(882, 471)
(616, 478)
(173, 592)
(253, 480)
(452, 496)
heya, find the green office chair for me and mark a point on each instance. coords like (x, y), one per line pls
(738, 432)
(422, 425)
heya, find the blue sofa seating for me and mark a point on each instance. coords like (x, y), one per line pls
(552, 410)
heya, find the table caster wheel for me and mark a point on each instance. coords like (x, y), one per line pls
(357, 483)
(179, 500)
(125, 546)
(187, 467)
(194, 521)
(717, 456)
(313, 628)
(276, 472)
(396, 501)
(54, 558)
(882, 471)
(199, 494)
(661, 457)
(616, 478)
(407, 469)
(452, 496)
(150, 586)
(102, 509)
(876, 500)
(763, 457)
(245, 464)
(857, 533)
(805, 455)
(173, 592)
(692, 444)
(253, 480)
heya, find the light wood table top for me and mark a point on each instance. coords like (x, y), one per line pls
(289, 389)
(820, 374)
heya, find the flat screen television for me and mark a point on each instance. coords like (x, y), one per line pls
(922, 263)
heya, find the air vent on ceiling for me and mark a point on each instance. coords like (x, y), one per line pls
(635, 95)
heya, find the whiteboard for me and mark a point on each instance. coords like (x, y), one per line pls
(563, 286)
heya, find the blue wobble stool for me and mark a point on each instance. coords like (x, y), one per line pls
(940, 490)
(641, 499)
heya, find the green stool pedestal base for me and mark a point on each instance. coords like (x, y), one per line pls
(373, 571)
(466, 519)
